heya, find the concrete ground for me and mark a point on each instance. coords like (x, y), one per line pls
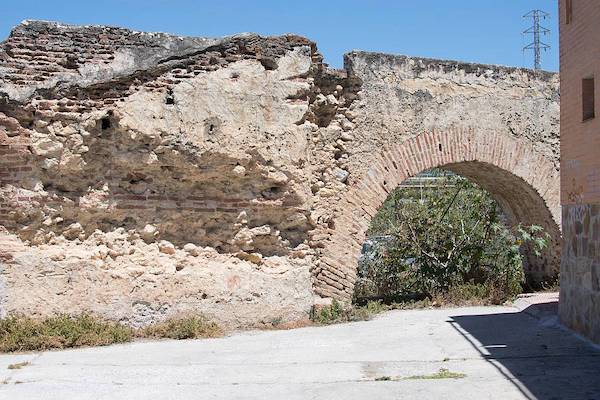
(504, 352)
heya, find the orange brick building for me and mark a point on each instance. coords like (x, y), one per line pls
(580, 165)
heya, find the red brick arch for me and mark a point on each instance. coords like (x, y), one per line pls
(524, 182)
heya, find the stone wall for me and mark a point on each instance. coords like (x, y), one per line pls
(580, 275)
(144, 175)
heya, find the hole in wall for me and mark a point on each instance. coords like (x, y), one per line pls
(105, 123)
(170, 99)
(212, 126)
(268, 63)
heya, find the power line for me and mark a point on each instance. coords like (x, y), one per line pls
(537, 31)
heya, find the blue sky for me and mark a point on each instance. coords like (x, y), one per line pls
(486, 31)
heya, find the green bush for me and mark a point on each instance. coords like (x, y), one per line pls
(450, 241)
(329, 314)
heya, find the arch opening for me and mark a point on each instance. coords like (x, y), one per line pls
(522, 181)
(446, 226)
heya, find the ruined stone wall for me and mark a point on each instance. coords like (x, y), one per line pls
(144, 175)
(153, 186)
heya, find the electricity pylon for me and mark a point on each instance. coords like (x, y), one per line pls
(537, 30)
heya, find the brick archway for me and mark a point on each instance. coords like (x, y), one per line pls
(525, 184)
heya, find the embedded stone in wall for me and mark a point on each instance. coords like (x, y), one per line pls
(579, 306)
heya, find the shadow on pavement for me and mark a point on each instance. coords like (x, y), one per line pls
(544, 360)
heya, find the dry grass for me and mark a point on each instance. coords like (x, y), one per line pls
(468, 294)
(21, 333)
(464, 295)
(278, 325)
(183, 327)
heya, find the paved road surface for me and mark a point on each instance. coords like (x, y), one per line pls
(505, 354)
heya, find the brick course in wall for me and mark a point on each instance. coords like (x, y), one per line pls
(14, 168)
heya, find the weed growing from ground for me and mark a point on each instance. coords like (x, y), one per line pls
(443, 373)
(18, 365)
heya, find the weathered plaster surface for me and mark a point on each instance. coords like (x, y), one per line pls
(144, 175)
